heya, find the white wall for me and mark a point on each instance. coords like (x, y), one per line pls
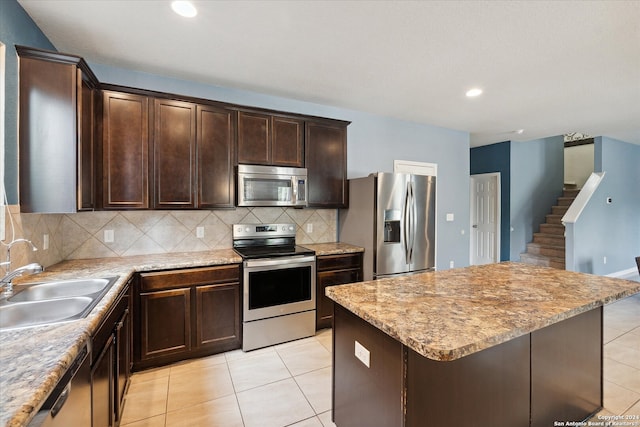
(578, 164)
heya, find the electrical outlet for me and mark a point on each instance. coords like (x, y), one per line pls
(604, 260)
(200, 232)
(450, 264)
(309, 228)
(362, 354)
(109, 236)
(45, 242)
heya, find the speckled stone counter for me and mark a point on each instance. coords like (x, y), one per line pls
(499, 345)
(336, 248)
(449, 314)
(33, 359)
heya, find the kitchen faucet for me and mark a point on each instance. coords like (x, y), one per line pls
(6, 281)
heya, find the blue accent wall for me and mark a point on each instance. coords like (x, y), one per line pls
(497, 158)
(16, 28)
(610, 230)
(537, 178)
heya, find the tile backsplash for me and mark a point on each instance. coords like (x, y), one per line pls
(82, 235)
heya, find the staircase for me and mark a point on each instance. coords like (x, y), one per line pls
(547, 248)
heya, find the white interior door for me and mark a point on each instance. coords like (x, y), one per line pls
(485, 218)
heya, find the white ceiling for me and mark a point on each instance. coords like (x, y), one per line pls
(549, 67)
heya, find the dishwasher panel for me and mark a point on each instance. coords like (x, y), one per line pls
(70, 402)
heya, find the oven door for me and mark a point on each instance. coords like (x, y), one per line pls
(278, 286)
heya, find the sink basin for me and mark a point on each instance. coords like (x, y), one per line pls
(33, 313)
(53, 302)
(61, 289)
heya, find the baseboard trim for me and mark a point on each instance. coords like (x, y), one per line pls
(624, 274)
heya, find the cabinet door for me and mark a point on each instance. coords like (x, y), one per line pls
(216, 129)
(324, 305)
(125, 151)
(326, 163)
(254, 131)
(218, 316)
(165, 323)
(287, 142)
(122, 361)
(334, 270)
(174, 144)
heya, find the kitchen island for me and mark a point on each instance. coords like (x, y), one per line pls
(505, 344)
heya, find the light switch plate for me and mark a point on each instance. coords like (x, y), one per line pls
(108, 236)
(362, 354)
(449, 217)
(200, 232)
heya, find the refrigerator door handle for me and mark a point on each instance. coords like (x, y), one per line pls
(412, 222)
(405, 226)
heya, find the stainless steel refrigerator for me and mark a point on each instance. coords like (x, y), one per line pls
(393, 216)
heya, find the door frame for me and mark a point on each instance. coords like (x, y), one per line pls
(497, 241)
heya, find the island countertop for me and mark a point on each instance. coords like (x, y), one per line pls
(446, 315)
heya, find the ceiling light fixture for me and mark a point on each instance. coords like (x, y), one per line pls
(472, 93)
(519, 131)
(184, 8)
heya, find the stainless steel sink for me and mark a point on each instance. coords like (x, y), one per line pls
(53, 302)
(60, 289)
(32, 313)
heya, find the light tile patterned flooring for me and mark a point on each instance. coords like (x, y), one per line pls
(284, 385)
(290, 384)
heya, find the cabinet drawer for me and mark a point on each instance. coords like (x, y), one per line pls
(169, 279)
(339, 262)
(330, 278)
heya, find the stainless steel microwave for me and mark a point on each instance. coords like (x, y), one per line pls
(272, 186)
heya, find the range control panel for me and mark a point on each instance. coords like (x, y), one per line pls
(249, 231)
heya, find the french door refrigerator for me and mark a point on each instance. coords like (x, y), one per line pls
(392, 216)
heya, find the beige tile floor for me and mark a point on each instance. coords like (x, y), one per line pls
(290, 384)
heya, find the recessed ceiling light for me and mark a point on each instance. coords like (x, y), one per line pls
(472, 93)
(184, 8)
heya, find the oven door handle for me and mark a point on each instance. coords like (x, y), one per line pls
(279, 261)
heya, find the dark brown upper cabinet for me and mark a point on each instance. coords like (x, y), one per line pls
(174, 154)
(193, 155)
(56, 132)
(125, 151)
(326, 163)
(266, 139)
(216, 132)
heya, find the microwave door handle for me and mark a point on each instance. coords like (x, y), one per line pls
(294, 191)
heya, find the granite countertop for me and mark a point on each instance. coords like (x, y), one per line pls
(446, 315)
(336, 248)
(33, 359)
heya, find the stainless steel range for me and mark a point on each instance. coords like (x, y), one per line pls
(279, 285)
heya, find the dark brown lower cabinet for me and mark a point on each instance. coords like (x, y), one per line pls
(186, 313)
(166, 322)
(552, 374)
(334, 270)
(111, 363)
(102, 387)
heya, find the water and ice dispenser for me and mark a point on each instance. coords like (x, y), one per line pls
(392, 226)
